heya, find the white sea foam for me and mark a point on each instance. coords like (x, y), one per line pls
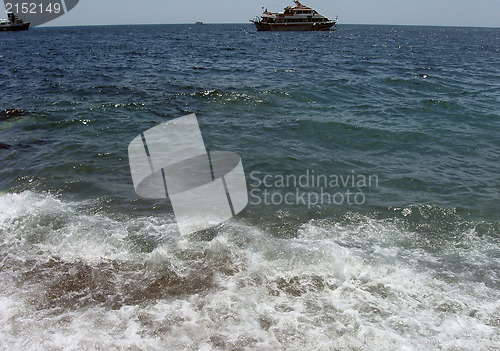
(360, 283)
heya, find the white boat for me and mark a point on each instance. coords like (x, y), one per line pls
(296, 18)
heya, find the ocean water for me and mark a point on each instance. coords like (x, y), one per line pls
(372, 163)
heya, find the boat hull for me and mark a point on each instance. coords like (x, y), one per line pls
(288, 27)
(14, 27)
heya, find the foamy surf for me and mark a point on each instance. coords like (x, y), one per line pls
(74, 280)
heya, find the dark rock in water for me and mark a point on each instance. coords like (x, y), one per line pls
(4, 146)
(11, 113)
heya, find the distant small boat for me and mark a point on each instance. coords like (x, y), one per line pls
(199, 23)
(13, 23)
(297, 18)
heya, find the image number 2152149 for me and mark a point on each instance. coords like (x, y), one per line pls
(38, 12)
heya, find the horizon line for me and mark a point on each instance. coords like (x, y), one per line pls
(229, 23)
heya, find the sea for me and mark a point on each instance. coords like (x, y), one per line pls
(372, 163)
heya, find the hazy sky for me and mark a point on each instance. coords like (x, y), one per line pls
(425, 12)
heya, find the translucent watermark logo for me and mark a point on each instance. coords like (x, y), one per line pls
(171, 161)
(310, 189)
(38, 12)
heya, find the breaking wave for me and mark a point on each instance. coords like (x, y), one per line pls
(74, 280)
